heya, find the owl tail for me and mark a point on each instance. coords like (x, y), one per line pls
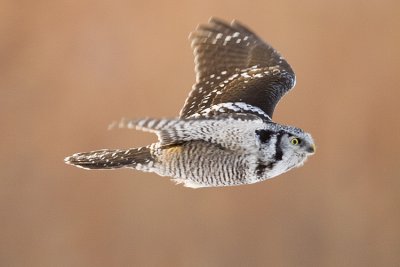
(139, 158)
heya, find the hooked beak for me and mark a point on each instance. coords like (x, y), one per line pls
(311, 149)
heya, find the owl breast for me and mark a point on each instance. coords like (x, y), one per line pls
(203, 164)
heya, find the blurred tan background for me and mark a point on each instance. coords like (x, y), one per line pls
(69, 68)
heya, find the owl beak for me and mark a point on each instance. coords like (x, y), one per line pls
(311, 149)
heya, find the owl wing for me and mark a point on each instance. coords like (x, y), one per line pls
(233, 131)
(233, 65)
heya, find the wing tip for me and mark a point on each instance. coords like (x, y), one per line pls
(211, 23)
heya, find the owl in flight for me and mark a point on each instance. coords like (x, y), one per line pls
(224, 135)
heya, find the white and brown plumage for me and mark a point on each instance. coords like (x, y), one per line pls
(225, 134)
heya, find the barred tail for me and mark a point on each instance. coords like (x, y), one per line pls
(112, 159)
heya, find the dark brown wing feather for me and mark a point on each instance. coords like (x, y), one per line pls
(234, 65)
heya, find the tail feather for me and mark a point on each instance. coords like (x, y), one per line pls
(111, 158)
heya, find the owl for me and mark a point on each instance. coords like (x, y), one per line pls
(224, 135)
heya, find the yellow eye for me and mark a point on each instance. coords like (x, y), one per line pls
(295, 141)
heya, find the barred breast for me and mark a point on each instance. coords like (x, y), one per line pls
(202, 164)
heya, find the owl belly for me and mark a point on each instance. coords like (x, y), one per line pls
(202, 164)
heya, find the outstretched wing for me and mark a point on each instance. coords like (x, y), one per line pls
(234, 65)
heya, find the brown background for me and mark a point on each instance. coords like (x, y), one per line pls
(69, 68)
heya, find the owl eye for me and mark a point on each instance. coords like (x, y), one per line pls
(295, 141)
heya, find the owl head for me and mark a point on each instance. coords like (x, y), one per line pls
(284, 147)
